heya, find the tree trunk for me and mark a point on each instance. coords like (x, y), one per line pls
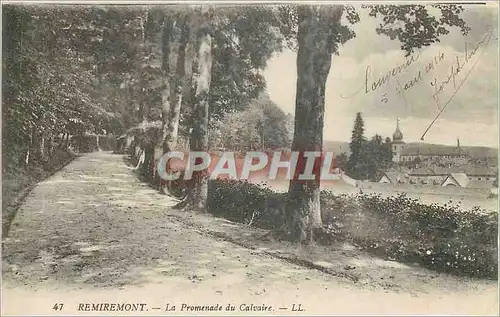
(171, 115)
(315, 38)
(61, 141)
(175, 106)
(147, 166)
(50, 145)
(41, 146)
(168, 26)
(202, 73)
(38, 144)
(166, 46)
(29, 152)
(142, 85)
(66, 141)
(98, 146)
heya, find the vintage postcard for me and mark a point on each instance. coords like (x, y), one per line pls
(257, 158)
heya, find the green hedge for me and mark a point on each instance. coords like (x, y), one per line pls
(241, 201)
(440, 237)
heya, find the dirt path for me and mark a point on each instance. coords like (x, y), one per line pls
(92, 233)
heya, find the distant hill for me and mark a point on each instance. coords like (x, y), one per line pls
(472, 151)
(336, 147)
(339, 147)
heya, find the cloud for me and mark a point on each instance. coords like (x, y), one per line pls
(472, 113)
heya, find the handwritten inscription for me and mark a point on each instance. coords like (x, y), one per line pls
(371, 86)
(374, 83)
(429, 67)
(457, 68)
(454, 70)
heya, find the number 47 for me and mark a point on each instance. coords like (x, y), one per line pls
(58, 307)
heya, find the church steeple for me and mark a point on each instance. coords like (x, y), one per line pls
(397, 136)
(397, 143)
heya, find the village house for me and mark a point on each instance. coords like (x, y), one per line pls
(427, 176)
(393, 177)
(456, 180)
(463, 176)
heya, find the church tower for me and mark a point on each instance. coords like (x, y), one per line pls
(397, 144)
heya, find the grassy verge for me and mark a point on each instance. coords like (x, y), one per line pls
(17, 183)
(440, 237)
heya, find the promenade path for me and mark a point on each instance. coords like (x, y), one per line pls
(93, 233)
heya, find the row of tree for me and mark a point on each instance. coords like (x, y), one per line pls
(188, 66)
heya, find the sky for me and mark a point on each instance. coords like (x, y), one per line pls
(470, 115)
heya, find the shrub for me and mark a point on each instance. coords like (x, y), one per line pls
(241, 201)
(440, 237)
(443, 238)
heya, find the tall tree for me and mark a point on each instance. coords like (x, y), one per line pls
(167, 39)
(378, 156)
(148, 110)
(174, 83)
(166, 47)
(316, 29)
(202, 75)
(242, 39)
(357, 163)
(179, 82)
(319, 34)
